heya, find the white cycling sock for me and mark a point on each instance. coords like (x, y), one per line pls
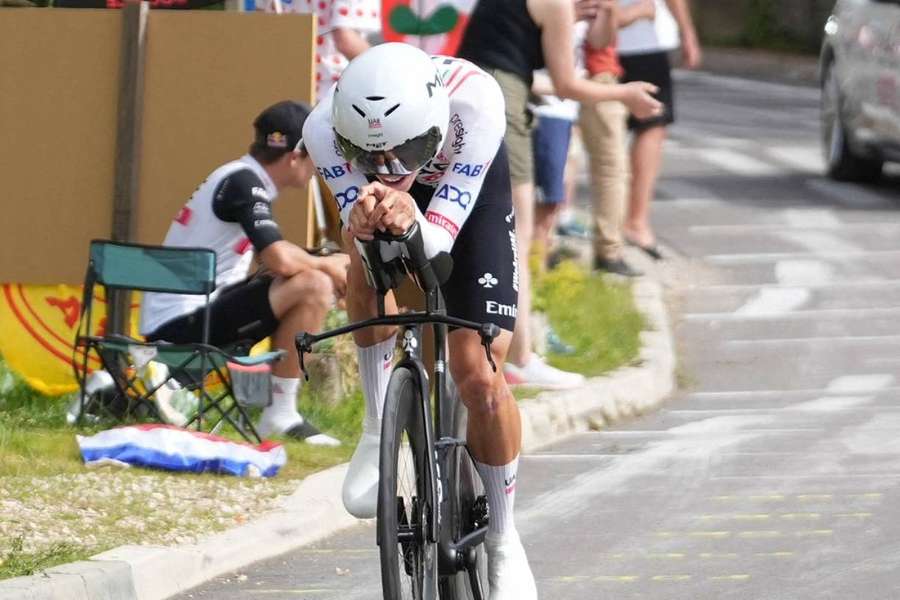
(375, 364)
(500, 486)
(282, 414)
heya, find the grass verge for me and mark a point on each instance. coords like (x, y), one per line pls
(53, 510)
(593, 314)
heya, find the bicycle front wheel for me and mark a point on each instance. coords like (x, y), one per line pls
(467, 512)
(405, 500)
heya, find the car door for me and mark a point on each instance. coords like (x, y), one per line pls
(879, 34)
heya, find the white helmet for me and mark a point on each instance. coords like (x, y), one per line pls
(390, 110)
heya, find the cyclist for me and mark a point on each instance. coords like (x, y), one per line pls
(231, 213)
(405, 137)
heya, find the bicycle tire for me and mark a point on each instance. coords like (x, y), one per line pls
(466, 487)
(408, 569)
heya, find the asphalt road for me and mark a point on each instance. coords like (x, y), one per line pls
(775, 472)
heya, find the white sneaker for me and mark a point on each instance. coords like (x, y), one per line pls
(297, 428)
(360, 491)
(509, 575)
(538, 373)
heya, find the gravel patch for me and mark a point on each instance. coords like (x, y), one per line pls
(102, 509)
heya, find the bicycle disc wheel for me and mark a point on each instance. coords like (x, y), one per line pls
(466, 513)
(408, 559)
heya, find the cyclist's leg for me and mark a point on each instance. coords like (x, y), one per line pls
(375, 352)
(484, 288)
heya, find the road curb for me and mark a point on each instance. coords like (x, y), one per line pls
(315, 511)
(626, 392)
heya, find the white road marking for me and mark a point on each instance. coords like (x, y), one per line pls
(820, 242)
(738, 163)
(830, 404)
(845, 339)
(803, 158)
(848, 194)
(773, 301)
(764, 313)
(766, 257)
(727, 395)
(849, 384)
(794, 272)
(873, 285)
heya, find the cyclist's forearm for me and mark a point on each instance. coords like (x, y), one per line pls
(435, 238)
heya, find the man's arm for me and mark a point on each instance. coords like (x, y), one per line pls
(602, 32)
(349, 42)
(556, 19)
(690, 46)
(643, 9)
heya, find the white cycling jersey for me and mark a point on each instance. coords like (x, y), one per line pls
(476, 129)
(230, 213)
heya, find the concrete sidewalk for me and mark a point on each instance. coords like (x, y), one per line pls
(314, 510)
(764, 65)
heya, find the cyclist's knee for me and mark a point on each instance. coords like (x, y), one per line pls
(479, 391)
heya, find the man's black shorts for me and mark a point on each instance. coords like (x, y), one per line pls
(239, 313)
(653, 68)
(484, 284)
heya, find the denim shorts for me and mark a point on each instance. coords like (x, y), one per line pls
(550, 140)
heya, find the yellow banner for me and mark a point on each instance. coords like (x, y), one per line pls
(38, 325)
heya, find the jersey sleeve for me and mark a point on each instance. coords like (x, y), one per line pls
(339, 175)
(242, 198)
(477, 127)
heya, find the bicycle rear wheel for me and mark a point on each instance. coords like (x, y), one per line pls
(405, 500)
(467, 512)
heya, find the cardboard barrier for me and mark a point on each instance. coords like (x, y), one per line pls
(206, 76)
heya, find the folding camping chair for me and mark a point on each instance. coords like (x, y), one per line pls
(135, 267)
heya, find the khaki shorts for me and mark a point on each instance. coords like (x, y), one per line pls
(519, 123)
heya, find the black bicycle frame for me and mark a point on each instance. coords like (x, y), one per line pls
(454, 555)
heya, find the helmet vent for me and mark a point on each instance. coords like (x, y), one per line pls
(391, 109)
(359, 111)
(375, 98)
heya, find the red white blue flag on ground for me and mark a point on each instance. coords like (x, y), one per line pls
(175, 449)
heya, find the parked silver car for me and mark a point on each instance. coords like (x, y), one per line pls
(860, 76)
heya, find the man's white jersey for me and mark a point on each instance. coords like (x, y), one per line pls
(476, 129)
(211, 219)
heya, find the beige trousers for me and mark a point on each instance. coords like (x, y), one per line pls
(604, 132)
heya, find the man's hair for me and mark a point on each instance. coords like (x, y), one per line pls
(266, 155)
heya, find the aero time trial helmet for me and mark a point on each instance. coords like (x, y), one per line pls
(390, 110)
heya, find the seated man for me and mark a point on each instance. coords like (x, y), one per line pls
(292, 291)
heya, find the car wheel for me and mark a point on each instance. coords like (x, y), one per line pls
(841, 162)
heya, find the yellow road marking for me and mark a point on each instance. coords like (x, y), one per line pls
(813, 497)
(670, 577)
(856, 515)
(667, 555)
(290, 592)
(740, 577)
(760, 534)
(768, 497)
(737, 517)
(571, 578)
(801, 516)
(814, 532)
(718, 555)
(617, 578)
(782, 554)
(710, 534)
(867, 496)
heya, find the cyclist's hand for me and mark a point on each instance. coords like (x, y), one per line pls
(646, 9)
(639, 100)
(336, 266)
(359, 215)
(395, 211)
